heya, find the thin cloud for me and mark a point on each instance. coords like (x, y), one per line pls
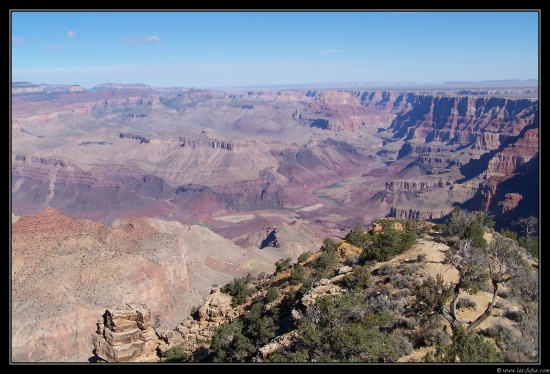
(330, 51)
(18, 40)
(54, 47)
(71, 33)
(136, 39)
(152, 39)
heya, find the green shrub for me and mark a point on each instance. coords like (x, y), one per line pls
(304, 256)
(417, 226)
(359, 279)
(467, 346)
(531, 244)
(509, 234)
(513, 315)
(410, 269)
(485, 219)
(328, 245)
(358, 237)
(503, 293)
(386, 269)
(175, 354)
(272, 294)
(326, 264)
(334, 330)
(388, 244)
(399, 281)
(282, 264)
(401, 344)
(466, 302)
(475, 232)
(457, 222)
(297, 275)
(239, 290)
(229, 344)
(428, 335)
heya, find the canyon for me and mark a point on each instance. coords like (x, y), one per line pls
(137, 194)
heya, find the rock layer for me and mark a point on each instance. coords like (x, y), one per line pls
(257, 150)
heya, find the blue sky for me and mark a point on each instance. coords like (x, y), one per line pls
(230, 48)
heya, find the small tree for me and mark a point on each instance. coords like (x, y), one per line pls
(239, 290)
(509, 234)
(328, 245)
(257, 327)
(530, 240)
(457, 223)
(271, 295)
(499, 263)
(531, 244)
(388, 243)
(325, 264)
(336, 329)
(485, 219)
(359, 279)
(282, 264)
(475, 232)
(467, 346)
(417, 226)
(304, 256)
(176, 354)
(230, 344)
(358, 237)
(504, 265)
(297, 274)
(470, 262)
(529, 225)
(431, 296)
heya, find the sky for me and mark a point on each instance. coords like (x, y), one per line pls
(212, 49)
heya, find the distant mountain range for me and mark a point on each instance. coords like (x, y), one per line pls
(487, 84)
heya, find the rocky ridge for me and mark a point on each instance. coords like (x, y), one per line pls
(425, 258)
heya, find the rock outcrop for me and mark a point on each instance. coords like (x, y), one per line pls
(322, 288)
(194, 333)
(211, 143)
(141, 138)
(407, 214)
(124, 334)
